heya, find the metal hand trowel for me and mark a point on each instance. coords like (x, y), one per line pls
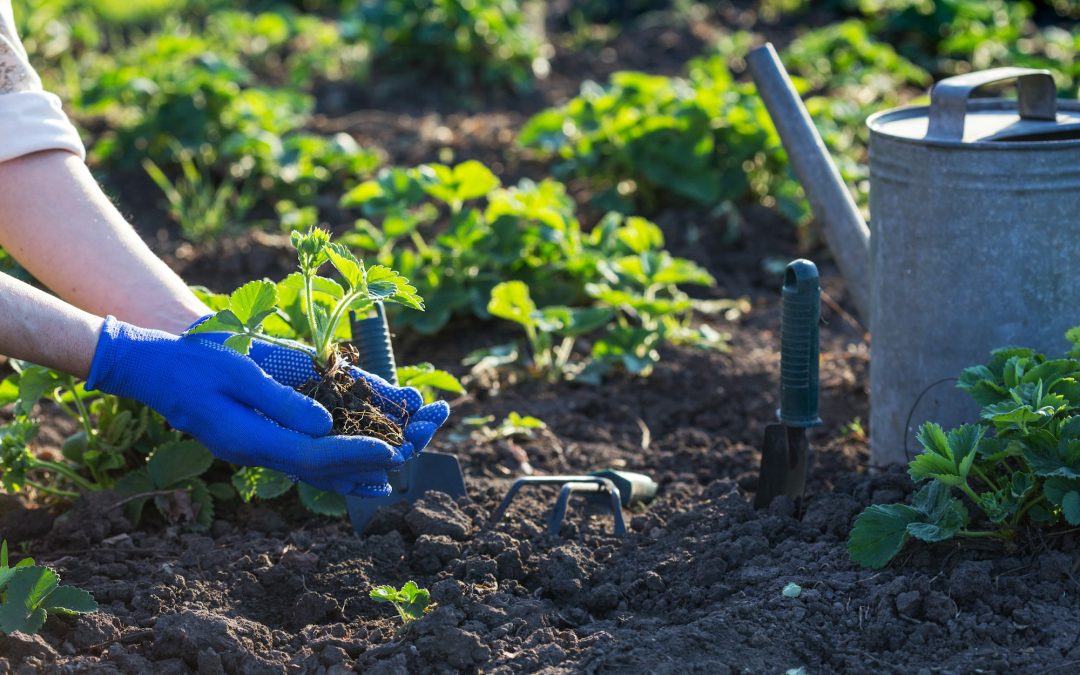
(428, 470)
(786, 452)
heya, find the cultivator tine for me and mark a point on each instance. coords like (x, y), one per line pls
(595, 485)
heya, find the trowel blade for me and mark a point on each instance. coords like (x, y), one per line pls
(784, 459)
(429, 470)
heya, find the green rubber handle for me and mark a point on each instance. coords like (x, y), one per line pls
(799, 345)
(371, 337)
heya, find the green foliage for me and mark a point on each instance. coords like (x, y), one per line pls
(1019, 466)
(705, 138)
(28, 592)
(410, 601)
(171, 478)
(110, 449)
(254, 481)
(551, 331)
(616, 277)
(648, 140)
(514, 425)
(485, 42)
(202, 209)
(309, 301)
(427, 379)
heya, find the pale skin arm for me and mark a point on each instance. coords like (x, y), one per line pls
(60, 226)
(40, 328)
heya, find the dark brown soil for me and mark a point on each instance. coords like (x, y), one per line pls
(695, 587)
(350, 401)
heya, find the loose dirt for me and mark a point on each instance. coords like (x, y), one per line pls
(695, 586)
(350, 401)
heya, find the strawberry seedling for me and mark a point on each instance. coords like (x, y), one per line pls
(317, 307)
(410, 601)
(28, 592)
(1018, 467)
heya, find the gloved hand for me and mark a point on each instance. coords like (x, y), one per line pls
(235, 409)
(292, 368)
(403, 404)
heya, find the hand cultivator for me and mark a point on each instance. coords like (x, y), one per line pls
(427, 471)
(615, 488)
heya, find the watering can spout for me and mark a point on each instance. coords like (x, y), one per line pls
(845, 230)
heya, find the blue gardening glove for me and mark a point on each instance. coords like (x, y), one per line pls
(404, 405)
(239, 413)
(292, 368)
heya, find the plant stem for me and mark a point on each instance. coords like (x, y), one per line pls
(322, 346)
(84, 414)
(985, 478)
(985, 534)
(309, 298)
(56, 492)
(66, 472)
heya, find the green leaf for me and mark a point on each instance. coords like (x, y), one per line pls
(947, 458)
(879, 533)
(253, 302)
(240, 343)
(384, 594)
(1070, 507)
(35, 382)
(347, 265)
(942, 515)
(414, 376)
(510, 300)
(256, 481)
(385, 284)
(177, 461)
(473, 180)
(322, 502)
(70, 600)
(27, 588)
(416, 599)
(222, 322)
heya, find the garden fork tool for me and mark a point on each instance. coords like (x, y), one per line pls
(616, 488)
(429, 470)
(786, 451)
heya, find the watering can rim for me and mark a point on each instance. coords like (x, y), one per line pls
(875, 122)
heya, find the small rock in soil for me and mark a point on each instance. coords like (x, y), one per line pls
(939, 607)
(239, 642)
(437, 514)
(909, 603)
(18, 646)
(312, 607)
(971, 580)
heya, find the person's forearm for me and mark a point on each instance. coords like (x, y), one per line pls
(45, 330)
(55, 220)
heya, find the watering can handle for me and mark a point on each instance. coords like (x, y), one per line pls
(1036, 98)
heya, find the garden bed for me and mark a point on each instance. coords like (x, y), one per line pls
(695, 586)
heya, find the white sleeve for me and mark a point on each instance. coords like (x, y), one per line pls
(31, 119)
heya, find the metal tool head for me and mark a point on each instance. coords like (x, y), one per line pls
(593, 485)
(429, 470)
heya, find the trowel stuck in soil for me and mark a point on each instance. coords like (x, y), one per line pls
(351, 402)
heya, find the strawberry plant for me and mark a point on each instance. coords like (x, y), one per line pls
(486, 42)
(306, 313)
(109, 451)
(410, 601)
(551, 331)
(28, 592)
(315, 306)
(1017, 467)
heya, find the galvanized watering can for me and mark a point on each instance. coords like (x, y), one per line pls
(975, 206)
